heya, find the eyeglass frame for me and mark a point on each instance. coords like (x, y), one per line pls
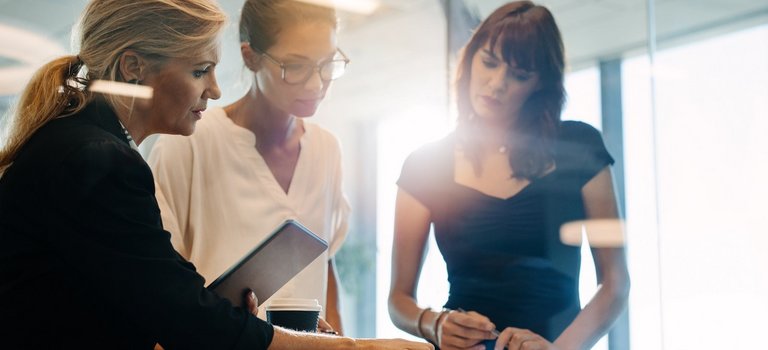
(315, 68)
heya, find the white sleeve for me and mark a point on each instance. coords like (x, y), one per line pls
(171, 163)
(341, 208)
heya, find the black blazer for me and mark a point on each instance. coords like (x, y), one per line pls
(84, 261)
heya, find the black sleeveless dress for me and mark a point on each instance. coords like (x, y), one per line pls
(504, 256)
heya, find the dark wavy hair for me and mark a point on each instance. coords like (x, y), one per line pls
(528, 37)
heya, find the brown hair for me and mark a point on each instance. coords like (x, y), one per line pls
(157, 29)
(262, 20)
(528, 37)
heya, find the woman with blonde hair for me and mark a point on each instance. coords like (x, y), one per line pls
(84, 261)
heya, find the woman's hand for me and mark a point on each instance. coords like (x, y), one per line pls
(324, 327)
(286, 339)
(252, 303)
(522, 339)
(391, 344)
(464, 330)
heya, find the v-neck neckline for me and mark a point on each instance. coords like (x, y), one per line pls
(246, 139)
(503, 199)
(531, 183)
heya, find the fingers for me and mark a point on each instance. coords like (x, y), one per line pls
(251, 302)
(457, 336)
(478, 346)
(504, 338)
(473, 320)
(520, 339)
(422, 346)
(409, 345)
(323, 326)
(465, 330)
(455, 342)
(533, 345)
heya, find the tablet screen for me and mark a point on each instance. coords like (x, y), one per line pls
(270, 265)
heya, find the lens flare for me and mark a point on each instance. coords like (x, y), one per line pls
(601, 233)
(121, 89)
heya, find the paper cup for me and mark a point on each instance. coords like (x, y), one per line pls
(294, 313)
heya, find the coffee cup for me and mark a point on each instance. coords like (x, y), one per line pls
(294, 313)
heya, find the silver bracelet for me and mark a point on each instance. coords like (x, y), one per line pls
(439, 322)
(418, 322)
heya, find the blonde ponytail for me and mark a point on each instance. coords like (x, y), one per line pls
(159, 29)
(35, 108)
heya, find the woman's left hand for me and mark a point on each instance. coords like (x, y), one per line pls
(324, 327)
(522, 339)
(251, 303)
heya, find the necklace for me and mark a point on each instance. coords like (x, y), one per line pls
(128, 137)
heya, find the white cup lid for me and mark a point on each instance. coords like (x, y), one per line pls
(294, 304)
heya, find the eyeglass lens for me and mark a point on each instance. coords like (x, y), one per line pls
(294, 73)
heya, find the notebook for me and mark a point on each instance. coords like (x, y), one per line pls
(271, 264)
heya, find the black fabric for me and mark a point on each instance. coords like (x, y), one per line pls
(504, 256)
(84, 261)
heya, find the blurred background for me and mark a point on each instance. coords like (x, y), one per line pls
(679, 89)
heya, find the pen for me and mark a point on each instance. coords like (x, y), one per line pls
(495, 332)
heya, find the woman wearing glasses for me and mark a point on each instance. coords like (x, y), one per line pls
(257, 162)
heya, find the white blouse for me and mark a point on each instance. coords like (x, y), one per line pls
(219, 199)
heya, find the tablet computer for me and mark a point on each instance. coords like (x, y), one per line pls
(271, 264)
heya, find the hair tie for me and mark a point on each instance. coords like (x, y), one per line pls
(74, 68)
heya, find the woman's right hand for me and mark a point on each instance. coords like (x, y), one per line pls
(464, 330)
(285, 339)
(522, 339)
(391, 344)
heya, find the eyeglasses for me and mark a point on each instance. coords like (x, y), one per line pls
(299, 73)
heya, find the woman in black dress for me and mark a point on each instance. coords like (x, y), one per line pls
(497, 191)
